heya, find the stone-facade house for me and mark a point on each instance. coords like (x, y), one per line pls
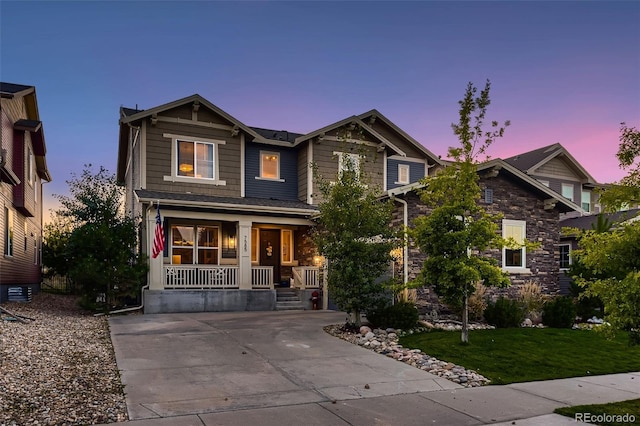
(23, 169)
(237, 201)
(530, 209)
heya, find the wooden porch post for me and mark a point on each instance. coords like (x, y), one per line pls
(155, 265)
(244, 259)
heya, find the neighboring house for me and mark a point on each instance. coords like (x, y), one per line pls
(23, 169)
(237, 201)
(530, 210)
(554, 167)
(569, 242)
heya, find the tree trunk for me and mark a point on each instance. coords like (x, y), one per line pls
(356, 317)
(465, 320)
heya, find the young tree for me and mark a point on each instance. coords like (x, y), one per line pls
(354, 235)
(616, 281)
(94, 243)
(458, 228)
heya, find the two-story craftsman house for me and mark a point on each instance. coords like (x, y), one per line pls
(236, 201)
(23, 169)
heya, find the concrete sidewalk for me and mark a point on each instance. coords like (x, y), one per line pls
(281, 368)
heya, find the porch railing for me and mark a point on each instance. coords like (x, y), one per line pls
(262, 277)
(199, 277)
(306, 277)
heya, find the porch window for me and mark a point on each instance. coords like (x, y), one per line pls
(287, 245)
(514, 258)
(200, 243)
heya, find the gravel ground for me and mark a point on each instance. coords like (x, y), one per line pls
(59, 369)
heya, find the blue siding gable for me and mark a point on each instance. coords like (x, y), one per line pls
(416, 172)
(256, 188)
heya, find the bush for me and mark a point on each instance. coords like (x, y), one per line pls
(532, 300)
(504, 313)
(402, 315)
(559, 313)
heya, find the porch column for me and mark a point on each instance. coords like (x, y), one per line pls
(244, 260)
(155, 265)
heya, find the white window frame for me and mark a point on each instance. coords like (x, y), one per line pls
(289, 251)
(522, 224)
(255, 243)
(175, 177)
(353, 158)
(195, 247)
(560, 259)
(568, 186)
(30, 161)
(9, 233)
(588, 202)
(406, 169)
(262, 176)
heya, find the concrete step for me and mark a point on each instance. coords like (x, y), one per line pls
(292, 298)
(289, 305)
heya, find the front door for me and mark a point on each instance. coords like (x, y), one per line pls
(270, 251)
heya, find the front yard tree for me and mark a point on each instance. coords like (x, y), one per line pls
(354, 235)
(98, 241)
(616, 281)
(458, 228)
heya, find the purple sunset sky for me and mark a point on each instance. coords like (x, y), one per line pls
(565, 72)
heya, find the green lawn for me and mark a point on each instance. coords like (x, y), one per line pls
(516, 355)
(625, 408)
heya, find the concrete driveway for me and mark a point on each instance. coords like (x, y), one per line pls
(185, 364)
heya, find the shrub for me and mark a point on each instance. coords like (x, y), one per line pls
(559, 312)
(532, 300)
(402, 315)
(504, 313)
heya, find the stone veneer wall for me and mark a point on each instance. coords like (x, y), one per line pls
(515, 202)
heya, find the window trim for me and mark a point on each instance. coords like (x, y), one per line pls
(262, 177)
(290, 252)
(567, 186)
(174, 177)
(515, 269)
(9, 233)
(560, 259)
(582, 202)
(195, 247)
(544, 182)
(30, 168)
(255, 243)
(406, 167)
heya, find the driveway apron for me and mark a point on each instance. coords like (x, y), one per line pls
(181, 364)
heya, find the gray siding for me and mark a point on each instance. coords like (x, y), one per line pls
(392, 136)
(159, 159)
(287, 190)
(416, 172)
(303, 171)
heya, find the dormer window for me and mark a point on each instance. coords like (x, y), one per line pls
(403, 174)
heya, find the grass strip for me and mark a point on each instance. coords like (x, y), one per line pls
(615, 413)
(515, 355)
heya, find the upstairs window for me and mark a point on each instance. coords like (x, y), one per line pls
(269, 165)
(196, 159)
(348, 160)
(567, 191)
(403, 173)
(586, 201)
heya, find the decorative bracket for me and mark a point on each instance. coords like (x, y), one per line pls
(154, 119)
(235, 130)
(494, 172)
(550, 203)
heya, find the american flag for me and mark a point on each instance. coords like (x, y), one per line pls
(158, 239)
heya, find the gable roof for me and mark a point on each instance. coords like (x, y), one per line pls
(530, 161)
(585, 222)
(350, 120)
(277, 135)
(30, 123)
(378, 115)
(561, 203)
